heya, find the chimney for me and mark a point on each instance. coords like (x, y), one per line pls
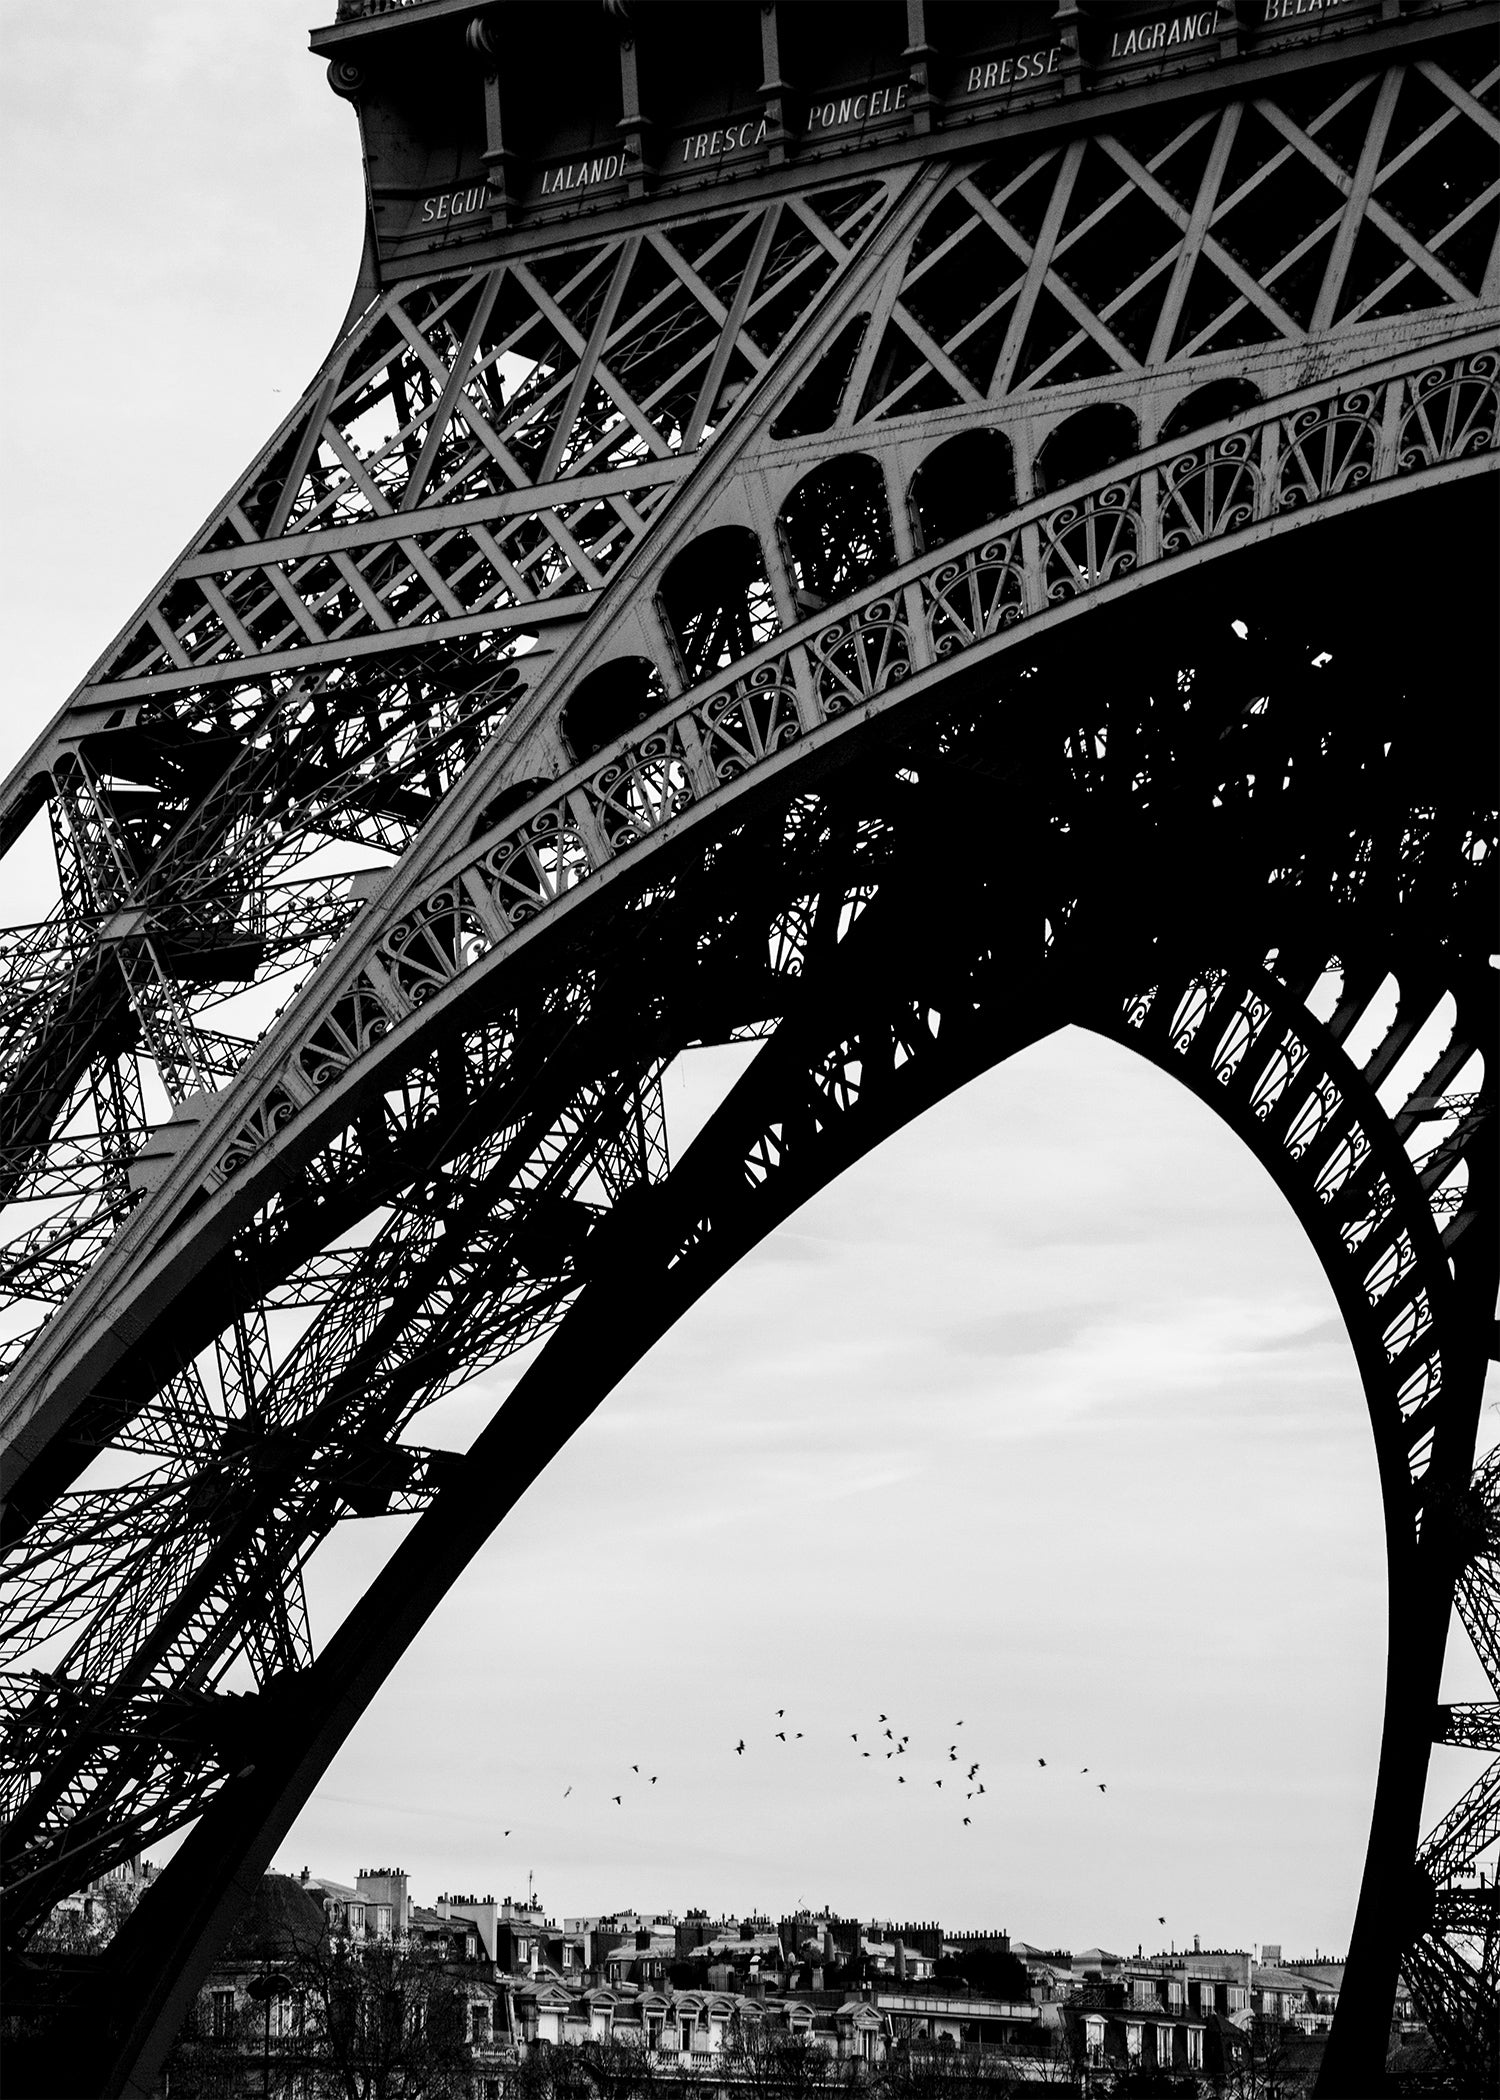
(900, 1961)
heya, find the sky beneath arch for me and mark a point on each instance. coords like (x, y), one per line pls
(1040, 1420)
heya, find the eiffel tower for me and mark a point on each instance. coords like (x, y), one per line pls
(663, 621)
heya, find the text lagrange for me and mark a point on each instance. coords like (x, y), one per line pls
(1162, 35)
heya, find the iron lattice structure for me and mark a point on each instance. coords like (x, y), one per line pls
(981, 559)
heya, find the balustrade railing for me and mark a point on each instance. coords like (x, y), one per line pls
(358, 10)
(1308, 454)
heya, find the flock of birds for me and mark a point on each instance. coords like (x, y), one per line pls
(880, 1744)
(965, 1777)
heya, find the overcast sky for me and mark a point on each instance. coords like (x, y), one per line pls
(1041, 1420)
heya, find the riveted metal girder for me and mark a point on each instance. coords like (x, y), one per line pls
(890, 614)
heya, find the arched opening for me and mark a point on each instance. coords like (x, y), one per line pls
(1087, 444)
(1213, 403)
(968, 481)
(716, 601)
(835, 531)
(610, 702)
(1056, 1436)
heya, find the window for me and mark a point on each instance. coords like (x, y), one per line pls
(716, 601)
(221, 2013)
(965, 483)
(687, 2034)
(609, 702)
(479, 2023)
(836, 531)
(1213, 403)
(1087, 444)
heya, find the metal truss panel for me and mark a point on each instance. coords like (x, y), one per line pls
(598, 661)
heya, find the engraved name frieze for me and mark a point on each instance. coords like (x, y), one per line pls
(999, 76)
(585, 174)
(841, 111)
(722, 141)
(1166, 33)
(453, 204)
(1299, 10)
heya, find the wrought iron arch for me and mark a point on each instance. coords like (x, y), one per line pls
(451, 1138)
(879, 1033)
(1239, 1033)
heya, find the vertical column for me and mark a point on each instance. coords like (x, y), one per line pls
(773, 88)
(1231, 29)
(920, 99)
(1069, 17)
(498, 162)
(633, 127)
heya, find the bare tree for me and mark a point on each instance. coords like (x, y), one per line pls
(373, 2020)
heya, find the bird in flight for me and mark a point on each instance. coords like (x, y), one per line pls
(781, 1735)
(1103, 1788)
(864, 1753)
(797, 1737)
(507, 1833)
(1041, 1760)
(1161, 1921)
(900, 1781)
(566, 1791)
(880, 1717)
(635, 1768)
(781, 1713)
(958, 1724)
(967, 1821)
(616, 1799)
(739, 1748)
(937, 1782)
(980, 1788)
(653, 1778)
(972, 1770)
(854, 1738)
